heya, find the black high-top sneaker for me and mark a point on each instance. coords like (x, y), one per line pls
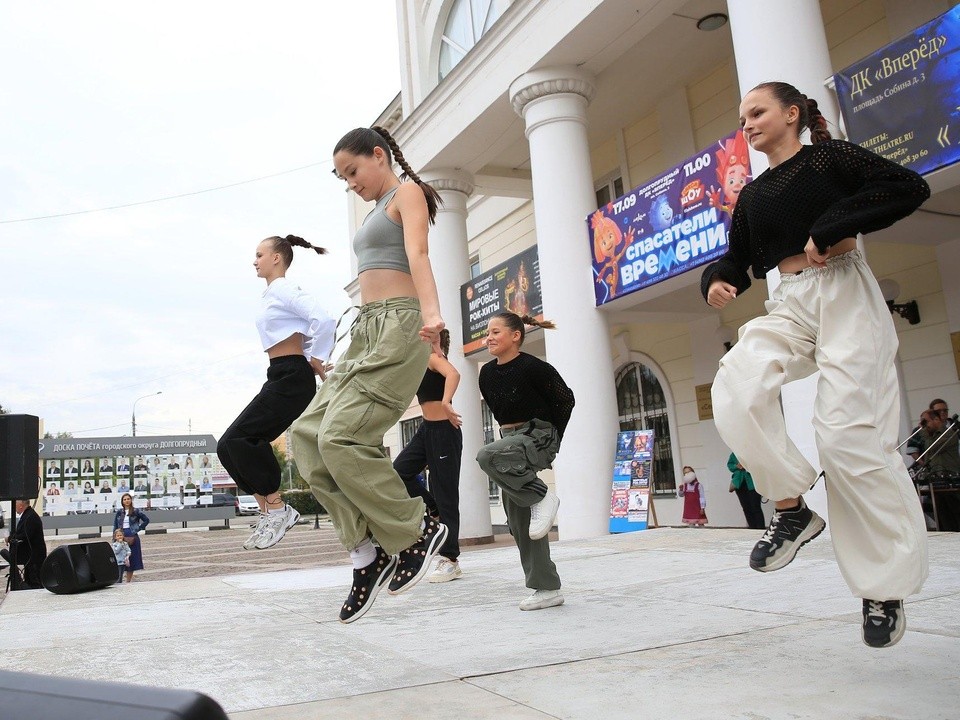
(414, 562)
(883, 622)
(787, 533)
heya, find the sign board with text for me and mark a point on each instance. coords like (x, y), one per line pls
(903, 101)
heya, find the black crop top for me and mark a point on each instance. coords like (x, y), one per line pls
(828, 192)
(431, 387)
(526, 388)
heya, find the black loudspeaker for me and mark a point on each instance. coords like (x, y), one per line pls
(79, 568)
(19, 457)
(24, 695)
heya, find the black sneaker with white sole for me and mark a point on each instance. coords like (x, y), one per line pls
(414, 562)
(367, 582)
(787, 533)
(883, 622)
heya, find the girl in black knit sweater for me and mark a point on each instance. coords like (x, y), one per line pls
(801, 216)
(532, 404)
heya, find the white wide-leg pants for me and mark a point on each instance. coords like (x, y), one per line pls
(833, 320)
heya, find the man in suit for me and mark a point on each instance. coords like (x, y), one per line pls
(26, 538)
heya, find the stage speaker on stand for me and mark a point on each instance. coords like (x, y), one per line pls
(19, 457)
(79, 568)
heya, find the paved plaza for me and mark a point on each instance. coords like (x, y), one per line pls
(666, 623)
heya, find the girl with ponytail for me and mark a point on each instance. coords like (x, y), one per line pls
(532, 404)
(801, 217)
(338, 442)
(298, 337)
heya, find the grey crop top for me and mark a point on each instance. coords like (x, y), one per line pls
(379, 241)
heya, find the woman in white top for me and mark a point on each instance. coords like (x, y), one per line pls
(298, 337)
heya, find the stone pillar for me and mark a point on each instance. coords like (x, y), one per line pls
(451, 268)
(553, 103)
(786, 41)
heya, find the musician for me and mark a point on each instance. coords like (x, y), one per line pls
(27, 537)
(940, 460)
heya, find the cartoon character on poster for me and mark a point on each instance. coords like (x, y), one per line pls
(733, 172)
(609, 247)
(661, 213)
(515, 294)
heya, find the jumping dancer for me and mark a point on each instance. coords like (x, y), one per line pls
(532, 404)
(298, 337)
(801, 216)
(338, 442)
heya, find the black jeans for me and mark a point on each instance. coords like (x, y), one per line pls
(752, 509)
(438, 445)
(244, 448)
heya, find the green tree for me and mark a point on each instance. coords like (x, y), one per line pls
(2, 411)
(58, 436)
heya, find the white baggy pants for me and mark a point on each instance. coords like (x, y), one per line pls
(834, 320)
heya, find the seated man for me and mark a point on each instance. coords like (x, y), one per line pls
(941, 462)
(26, 541)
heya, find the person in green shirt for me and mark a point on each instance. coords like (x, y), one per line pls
(742, 484)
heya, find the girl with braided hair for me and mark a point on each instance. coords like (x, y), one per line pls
(338, 442)
(801, 216)
(298, 337)
(532, 404)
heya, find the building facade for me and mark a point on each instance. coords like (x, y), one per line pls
(527, 116)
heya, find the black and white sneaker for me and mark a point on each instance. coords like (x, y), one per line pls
(787, 533)
(414, 562)
(883, 622)
(367, 582)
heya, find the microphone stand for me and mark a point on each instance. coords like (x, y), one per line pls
(919, 428)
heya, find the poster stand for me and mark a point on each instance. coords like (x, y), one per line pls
(631, 501)
(653, 514)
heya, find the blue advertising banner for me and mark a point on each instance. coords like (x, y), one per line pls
(671, 224)
(632, 466)
(513, 285)
(903, 101)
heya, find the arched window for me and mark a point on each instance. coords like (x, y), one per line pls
(641, 405)
(467, 22)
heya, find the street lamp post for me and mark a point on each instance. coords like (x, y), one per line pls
(133, 415)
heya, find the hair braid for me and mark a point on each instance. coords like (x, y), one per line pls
(300, 242)
(518, 323)
(284, 246)
(816, 123)
(432, 196)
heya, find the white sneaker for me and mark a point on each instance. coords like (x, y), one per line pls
(542, 599)
(543, 514)
(251, 542)
(445, 571)
(276, 526)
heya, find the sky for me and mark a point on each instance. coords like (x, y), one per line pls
(113, 103)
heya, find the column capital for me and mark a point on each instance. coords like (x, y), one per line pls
(551, 81)
(449, 179)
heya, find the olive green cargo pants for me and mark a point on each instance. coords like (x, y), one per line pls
(338, 441)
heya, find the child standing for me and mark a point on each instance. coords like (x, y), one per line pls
(532, 404)
(801, 217)
(298, 337)
(694, 499)
(121, 551)
(338, 441)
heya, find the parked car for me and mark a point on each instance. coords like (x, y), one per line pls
(221, 499)
(248, 505)
(225, 499)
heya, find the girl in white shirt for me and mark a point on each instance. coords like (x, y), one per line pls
(298, 337)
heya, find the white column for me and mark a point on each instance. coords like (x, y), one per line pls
(451, 268)
(553, 103)
(785, 41)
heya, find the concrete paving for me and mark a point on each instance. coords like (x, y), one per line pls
(666, 623)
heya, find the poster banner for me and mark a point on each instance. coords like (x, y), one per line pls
(91, 474)
(632, 468)
(669, 225)
(513, 285)
(903, 101)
